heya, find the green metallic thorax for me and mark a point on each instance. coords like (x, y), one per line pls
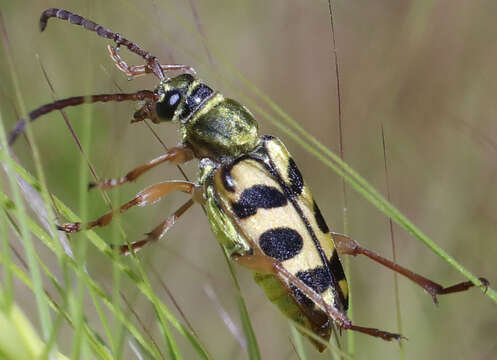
(217, 128)
(223, 129)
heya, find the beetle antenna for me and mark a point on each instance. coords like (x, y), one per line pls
(152, 62)
(74, 101)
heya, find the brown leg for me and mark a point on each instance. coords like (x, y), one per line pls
(262, 263)
(139, 70)
(176, 155)
(157, 233)
(147, 111)
(150, 195)
(347, 246)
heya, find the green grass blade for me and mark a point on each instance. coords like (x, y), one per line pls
(43, 311)
(98, 347)
(18, 339)
(394, 256)
(252, 345)
(7, 298)
(141, 284)
(299, 343)
(6, 203)
(81, 246)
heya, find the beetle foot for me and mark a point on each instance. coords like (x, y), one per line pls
(69, 227)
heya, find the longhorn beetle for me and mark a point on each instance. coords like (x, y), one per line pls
(257, 203)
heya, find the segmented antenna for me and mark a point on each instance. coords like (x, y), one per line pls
(62, 14)
(77, 100)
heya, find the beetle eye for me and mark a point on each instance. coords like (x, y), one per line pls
(166, 108)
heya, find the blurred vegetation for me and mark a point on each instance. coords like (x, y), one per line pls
(423, 70)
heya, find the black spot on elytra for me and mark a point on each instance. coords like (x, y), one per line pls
(338, 274)
(317, 279)
(281, 243)
(296, 180)
(320, 220)
(258, 196)
(336, 267)
(226, 178)
(301, 298)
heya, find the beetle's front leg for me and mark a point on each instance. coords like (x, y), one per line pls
(347, 246)
(139, 70)
(176, 155)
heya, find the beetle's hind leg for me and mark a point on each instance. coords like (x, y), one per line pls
(158, 232)
(346, 246)
(265, 264)
(149, 196)
(176, 155)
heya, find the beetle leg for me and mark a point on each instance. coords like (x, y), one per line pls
(176, 155)
(158, 232)
(346, 246)
(147, 111)
(149, 196)
(262, 263)
(139, 70)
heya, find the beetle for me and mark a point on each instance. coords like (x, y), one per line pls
(258, 205)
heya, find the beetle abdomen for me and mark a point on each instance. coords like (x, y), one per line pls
(286, 303)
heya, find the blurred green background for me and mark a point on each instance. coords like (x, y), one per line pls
(424, 70)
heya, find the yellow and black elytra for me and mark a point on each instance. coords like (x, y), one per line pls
(257, 203)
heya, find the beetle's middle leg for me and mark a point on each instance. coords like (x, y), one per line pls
(149, 196)
(176, 155)
(346, 246)
(158, 232)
